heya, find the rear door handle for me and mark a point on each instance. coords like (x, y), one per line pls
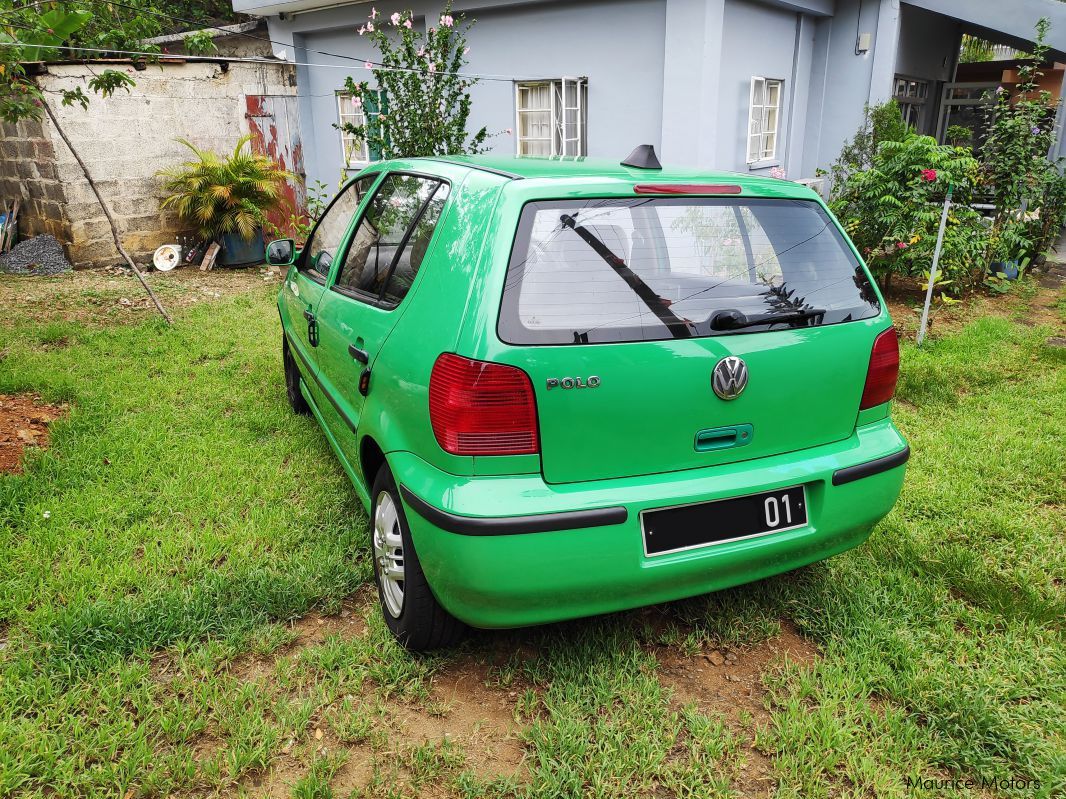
(360, 355)
(308, 315)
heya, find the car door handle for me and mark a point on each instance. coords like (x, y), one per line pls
(308, 315)
(360, 355)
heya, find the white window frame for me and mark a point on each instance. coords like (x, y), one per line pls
(559, 144)
(756, 151)
(349, 142)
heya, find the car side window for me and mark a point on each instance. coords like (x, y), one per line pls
(329, 232)
(391, 239)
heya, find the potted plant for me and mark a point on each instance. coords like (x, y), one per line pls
(227, 198)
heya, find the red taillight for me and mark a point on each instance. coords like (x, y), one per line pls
(686, 188)
(883, 371)
(480, 408)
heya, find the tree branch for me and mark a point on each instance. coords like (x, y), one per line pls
(107, 213)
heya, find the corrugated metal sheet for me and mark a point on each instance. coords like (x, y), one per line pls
(274, 122)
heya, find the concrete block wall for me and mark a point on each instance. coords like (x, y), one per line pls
(125, 140)
(28, 172)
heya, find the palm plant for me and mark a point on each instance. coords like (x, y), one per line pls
(221, 194)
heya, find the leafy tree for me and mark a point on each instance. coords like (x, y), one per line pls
(421, 104)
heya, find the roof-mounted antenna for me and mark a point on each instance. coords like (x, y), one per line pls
(643, 158)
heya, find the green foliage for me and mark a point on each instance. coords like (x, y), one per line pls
(200, 43)
(421, 104)
(975, 49)
(1020, 134)
(880, 123)
(224, 194)
(892, 211)
(1015, 170)
(110, 81)
(40, 34)
(42, 28)
(959, 135)
(299, 225)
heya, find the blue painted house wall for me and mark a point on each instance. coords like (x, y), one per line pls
(673, 73)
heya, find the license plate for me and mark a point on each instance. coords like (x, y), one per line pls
(708, 523)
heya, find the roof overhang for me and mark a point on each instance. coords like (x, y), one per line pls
(1016, 26)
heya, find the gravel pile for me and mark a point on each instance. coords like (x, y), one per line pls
(41, 255)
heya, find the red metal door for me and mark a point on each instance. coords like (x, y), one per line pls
(274, 122)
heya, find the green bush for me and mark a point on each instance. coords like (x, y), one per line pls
(892, 211)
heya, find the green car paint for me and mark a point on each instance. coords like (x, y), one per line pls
(649, 435)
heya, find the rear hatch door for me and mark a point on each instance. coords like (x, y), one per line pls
(621, 310)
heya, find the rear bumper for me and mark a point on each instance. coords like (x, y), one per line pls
(509, 551)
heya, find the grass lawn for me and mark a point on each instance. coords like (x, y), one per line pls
(186, 605)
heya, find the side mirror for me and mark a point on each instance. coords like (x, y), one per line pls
(281, 252)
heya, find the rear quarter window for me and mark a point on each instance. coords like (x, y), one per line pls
(646, 269)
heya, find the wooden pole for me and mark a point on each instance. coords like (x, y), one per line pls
(107, 213)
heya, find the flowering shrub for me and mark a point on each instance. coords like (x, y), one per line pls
(892, 211)
(421, 103)
(1015, 166)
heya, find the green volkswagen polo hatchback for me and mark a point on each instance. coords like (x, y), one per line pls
(564, 388)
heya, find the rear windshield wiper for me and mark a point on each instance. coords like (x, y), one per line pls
(735, 320)
(660, 306)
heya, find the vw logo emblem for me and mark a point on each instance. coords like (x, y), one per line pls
(730, 377)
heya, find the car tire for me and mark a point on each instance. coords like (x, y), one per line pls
(412, 613)
(292, 381)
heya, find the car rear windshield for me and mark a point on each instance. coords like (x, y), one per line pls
(647, 269)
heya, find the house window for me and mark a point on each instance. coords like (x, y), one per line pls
(353, 149)
(552, 116)
(764, 118)
(911, 96)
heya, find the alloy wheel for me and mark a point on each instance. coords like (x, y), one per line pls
(388, 553)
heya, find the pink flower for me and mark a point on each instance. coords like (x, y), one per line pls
(373, 14)
(929, 175)
(432, 67)
(777, 172)
(370, 26)
(466, 51)
(901, 245)
(357, 101)
(407, 24)
(447, 21)
(421, 52)
(368, 65)
(508, 131)
(362, 30)
(395, 18)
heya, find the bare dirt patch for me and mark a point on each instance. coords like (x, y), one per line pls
(728, 683)
(24, 421)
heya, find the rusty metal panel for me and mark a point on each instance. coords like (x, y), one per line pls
(274, 122)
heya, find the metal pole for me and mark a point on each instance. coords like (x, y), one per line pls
(932, 271)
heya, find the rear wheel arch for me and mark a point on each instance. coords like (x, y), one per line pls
(371, 459)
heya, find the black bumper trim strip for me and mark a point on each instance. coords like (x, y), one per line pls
(870, 468)
(514, 525)
(300, 357)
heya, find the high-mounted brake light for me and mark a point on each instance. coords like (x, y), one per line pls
(883, 371)
(686, 188)
(481, 408)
